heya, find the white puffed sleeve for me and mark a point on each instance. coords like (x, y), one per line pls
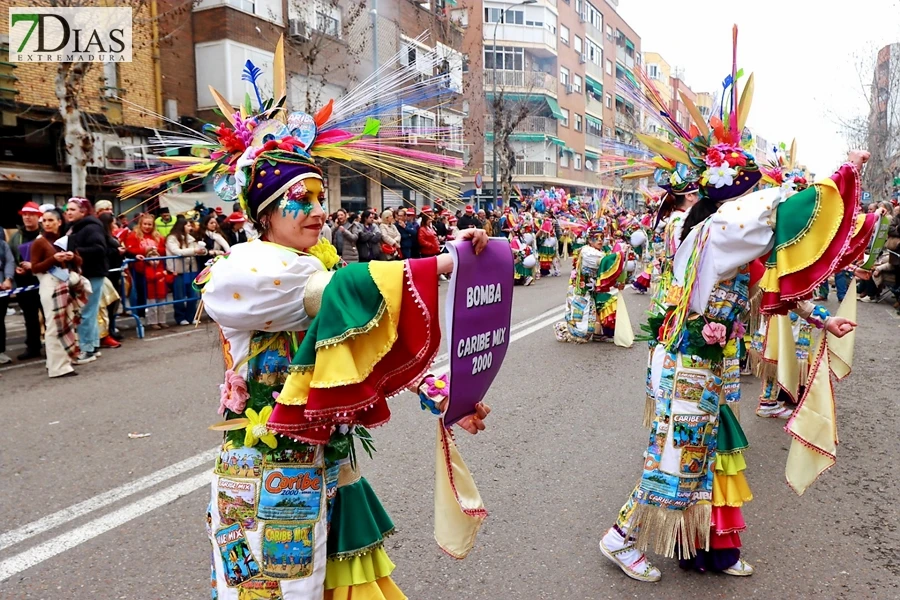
(590, 258)
(740, 231)
(260, 287)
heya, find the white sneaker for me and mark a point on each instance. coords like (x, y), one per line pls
(529, 280)
(183, 322)
(10, 312)
(84, 358)
(4, 358)
(778, 411)
(739, 569)
(632, 562)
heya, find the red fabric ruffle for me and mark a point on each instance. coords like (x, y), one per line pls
(365, 403)
(726, 520)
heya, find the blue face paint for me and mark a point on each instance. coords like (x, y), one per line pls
(295, 207)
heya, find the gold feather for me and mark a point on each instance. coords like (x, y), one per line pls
(222, 103)
(744, 105)
(230, 425)
(695, 114)
(279, 76)
(662, 162)
(665, 149)
(793, 161)
(638, 174)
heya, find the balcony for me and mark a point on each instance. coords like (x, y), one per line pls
(525, 168)
(625, 122)
(594, 70)
(545, 125)
(541, 41)
(594, 106)
(593, 140)
(521, 82)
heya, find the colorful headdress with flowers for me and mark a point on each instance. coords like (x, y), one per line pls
(781, 169)
(260, 154)
(717, 149)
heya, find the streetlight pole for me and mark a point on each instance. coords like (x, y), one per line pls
(494, 91)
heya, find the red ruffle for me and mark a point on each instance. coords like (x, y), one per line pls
(726, 520)
(725, 541)
(859, 242)
(365, 403)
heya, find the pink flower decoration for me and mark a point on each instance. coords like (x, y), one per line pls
(714, 333)
(738, 330)
(234, 393)
(438, 386)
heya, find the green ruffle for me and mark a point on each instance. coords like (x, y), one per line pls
(359, 522)
(731, 437)
(794, 218)
(351, 305)
(521, 271)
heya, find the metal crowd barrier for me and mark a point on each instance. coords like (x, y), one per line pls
(136, 302)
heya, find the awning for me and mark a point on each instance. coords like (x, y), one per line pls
(591, 155)
(557, 141)
(628, 44)
(593, 85)
(569, 150)
(620, 99)
(520, 137)
(594, 120)
(554, 108)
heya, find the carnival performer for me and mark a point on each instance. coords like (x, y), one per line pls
(593, 302)
(548, 249)
(311, 355)
(689, 497)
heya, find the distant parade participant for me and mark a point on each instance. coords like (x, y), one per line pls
(548, 249)
(593, 301)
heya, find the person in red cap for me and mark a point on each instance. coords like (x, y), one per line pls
(30, 302)
(234, 228)
(469, 220)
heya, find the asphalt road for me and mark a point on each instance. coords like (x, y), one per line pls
(562, 453)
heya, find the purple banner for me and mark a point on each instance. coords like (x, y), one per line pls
(478, 312)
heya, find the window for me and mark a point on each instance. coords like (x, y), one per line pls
(594, 126)
(507, 58)
(595, 18)
(653, 71)
(578, 45)
(8, 79)
(564, 159)
(219, 65)
(577, 83)
(328, 25)
(565, 117)
(607, 131)
(579, 7)
(577, 162)
(496, 15)
(418, 123)
(579, 122)
(564, 34)
(608, 100)
(111, 79)
(609, 33)
(594, 53)
(270, 10)
(608, 67)
(564, 76)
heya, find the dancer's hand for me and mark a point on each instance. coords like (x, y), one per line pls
(839, 326)
(858, 157)
(475, 423)
(478, 236)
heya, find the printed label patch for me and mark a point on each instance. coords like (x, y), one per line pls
(240, 462)
(238, 562)
(297, 456)
(689, 387)
(287, 550)
(290, 494)
(260, 589)
(237, 501)
(709, 401)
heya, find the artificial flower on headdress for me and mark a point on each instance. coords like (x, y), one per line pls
(233, 393)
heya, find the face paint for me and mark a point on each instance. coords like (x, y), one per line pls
(296, 200)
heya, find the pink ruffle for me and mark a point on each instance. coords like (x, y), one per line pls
(726, 520)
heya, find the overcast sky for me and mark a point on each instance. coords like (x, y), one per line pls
(803, 53)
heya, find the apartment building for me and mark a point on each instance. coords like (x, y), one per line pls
(564, 60)
(34, 165)
(331, 46)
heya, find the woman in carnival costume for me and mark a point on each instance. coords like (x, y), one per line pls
(594, 309)
(548, 248)
(688, 500)
(311, 354)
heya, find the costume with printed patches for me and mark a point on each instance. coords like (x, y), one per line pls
(689, 497)
(313, 349)
(595, 310)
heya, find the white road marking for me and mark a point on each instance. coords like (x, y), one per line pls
(75, 511)
(92, 529)
(101, 525)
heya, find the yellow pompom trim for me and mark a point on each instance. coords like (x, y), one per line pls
(326, 253)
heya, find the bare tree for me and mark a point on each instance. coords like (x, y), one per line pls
(878, 130)
(506, 116)
(328, 46)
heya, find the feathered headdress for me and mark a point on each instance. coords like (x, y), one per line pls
(259, 154)
(781, 169)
